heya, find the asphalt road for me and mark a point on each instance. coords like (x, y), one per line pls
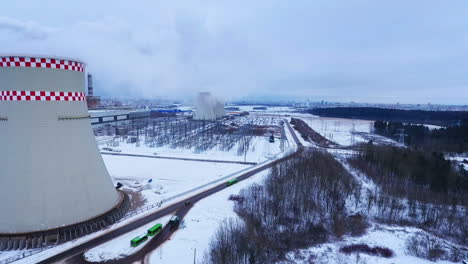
(74, 254)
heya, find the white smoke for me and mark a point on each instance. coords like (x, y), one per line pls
(208, 107)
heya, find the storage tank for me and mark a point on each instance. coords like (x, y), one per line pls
(54, 185)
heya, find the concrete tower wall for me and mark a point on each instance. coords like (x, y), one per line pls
(51, 171)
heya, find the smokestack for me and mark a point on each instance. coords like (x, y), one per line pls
(90, 85)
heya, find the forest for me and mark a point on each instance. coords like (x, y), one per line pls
(452, 139)
(440, 118)
(314, 198)
(301, 204)
(413, 174)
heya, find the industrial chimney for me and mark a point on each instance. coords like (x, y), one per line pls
(54, 185)
(90, 85)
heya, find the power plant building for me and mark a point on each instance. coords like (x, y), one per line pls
(54, 185)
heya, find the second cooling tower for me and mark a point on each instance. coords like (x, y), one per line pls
(54, 185)
(208, 107)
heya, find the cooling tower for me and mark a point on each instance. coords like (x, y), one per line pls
(54, 185)
(208, 107)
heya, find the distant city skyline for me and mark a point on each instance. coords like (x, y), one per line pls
(358, 50)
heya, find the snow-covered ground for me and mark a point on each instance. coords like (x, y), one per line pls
(338, 130)
(392, 237)
(169, 177)
(260, 150)
(460, 160)
(431, 127)
(199, 226)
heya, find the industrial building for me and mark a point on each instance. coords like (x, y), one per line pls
(54, 185)
(208, 108)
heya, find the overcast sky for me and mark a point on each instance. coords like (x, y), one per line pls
(337, 50)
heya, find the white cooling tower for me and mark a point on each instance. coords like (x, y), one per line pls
(54, 185)
(208, 107)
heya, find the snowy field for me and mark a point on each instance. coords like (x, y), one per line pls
(199, 226)
(392, 237)
(338, 130)
(169, 177)
(260, 150)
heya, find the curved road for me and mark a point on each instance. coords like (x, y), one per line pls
(74, 254)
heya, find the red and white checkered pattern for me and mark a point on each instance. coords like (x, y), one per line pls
(41, 63)
(41, 96)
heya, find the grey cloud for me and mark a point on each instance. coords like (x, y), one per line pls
(407, 51)
(25, 29)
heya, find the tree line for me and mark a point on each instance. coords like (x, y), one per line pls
(441, 118)
(420, 175)
(416, 188)
(452, 139)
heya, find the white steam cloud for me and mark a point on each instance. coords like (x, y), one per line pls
(208, 107)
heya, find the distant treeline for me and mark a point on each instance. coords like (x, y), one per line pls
(440, 118)
(450, 139)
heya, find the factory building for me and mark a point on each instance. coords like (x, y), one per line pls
(54, 185)
(208, 108)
